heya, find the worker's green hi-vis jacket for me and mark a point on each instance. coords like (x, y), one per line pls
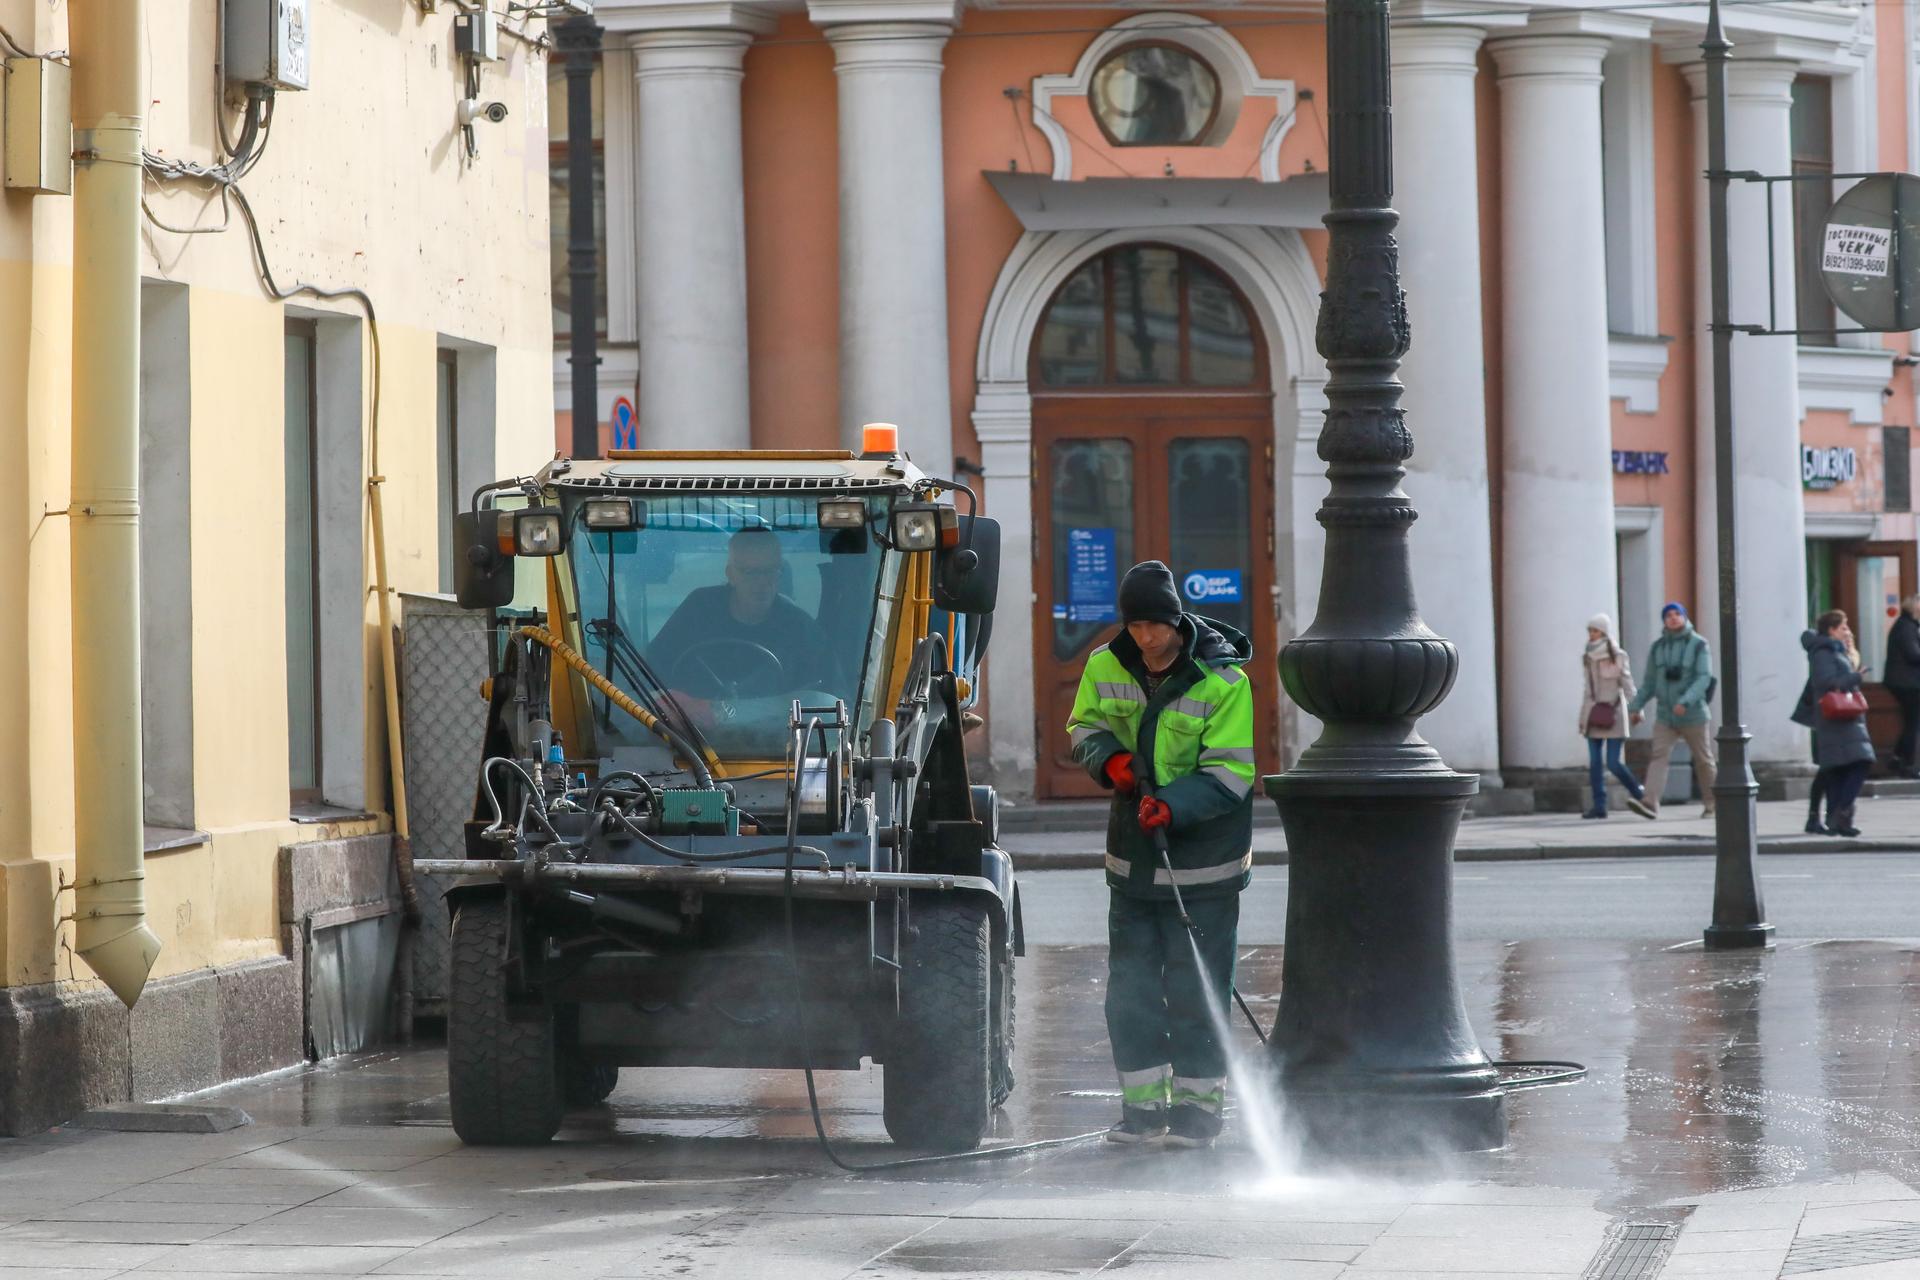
(1193, 741)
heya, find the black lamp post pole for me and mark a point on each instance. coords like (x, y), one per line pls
(1739, 915)
(1372, 1046)
(578, 41)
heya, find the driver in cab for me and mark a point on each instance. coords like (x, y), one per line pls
(742, 639)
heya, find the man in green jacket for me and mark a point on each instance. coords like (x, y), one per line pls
(1164, 719)
(1680, 674)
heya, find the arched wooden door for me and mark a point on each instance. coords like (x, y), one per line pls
(1153, 440)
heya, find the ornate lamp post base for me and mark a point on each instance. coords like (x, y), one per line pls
(1373, 1050)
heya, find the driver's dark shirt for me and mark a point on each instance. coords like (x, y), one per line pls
(705, 618)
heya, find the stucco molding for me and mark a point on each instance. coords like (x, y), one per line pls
(1853, 380)
(1845, 526)
(622, 17)
(1240, 80)
(1634, 368)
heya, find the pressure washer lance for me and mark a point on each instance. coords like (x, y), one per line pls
(1186, 921)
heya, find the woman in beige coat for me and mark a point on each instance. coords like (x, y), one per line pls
(1606, 686)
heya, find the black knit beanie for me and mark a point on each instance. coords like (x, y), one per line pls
(1147, 595)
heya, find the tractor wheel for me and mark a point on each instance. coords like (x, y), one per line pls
(587, 1084)
(1003, 1029)
(938, 1080)
(503, 1068)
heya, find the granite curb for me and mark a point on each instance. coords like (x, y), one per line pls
(1698, 846)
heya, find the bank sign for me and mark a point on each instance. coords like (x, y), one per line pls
(1827, 468)
(1205, 586)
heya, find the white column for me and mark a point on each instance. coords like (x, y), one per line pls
(894, 361)
(1766, 408)
(1003, 421)
(1436, 190)
(691, 251)
(1557, 532)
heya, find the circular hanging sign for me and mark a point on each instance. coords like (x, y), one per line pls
(1872, 270)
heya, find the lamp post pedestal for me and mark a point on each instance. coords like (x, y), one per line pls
(1372, 1050)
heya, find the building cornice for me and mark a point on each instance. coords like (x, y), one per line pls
(624, 17)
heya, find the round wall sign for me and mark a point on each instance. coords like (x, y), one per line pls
(1871, 271)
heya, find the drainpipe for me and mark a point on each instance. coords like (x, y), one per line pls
(109, 102)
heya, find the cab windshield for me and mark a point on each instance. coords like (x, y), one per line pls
(735, 604)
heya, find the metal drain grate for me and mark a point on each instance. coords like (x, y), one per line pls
(1853, 1249)
(1635, 1251)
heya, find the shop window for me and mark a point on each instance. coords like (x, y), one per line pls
(559, 189)
(1896, 464)
(1146, 317)
(303, 566)
(1154, 95)
(1626, 158)
(1812, 128)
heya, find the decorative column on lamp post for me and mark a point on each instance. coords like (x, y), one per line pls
(1372, 1047)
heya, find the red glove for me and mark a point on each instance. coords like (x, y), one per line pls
(1154, 814)
(1119, 771)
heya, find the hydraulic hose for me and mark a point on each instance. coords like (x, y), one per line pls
(705, 765)
(801, 739)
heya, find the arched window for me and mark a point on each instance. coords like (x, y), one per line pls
(1152, 94)
(1146, 316)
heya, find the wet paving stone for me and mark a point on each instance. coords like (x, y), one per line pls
(1766, 1105)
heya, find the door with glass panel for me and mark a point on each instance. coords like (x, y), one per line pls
(1153, 440)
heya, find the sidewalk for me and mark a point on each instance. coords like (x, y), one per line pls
(1888, 824)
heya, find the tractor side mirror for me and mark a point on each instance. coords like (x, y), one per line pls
(482, 575)
(966, 577)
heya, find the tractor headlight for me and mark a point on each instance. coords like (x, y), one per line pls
(610, 515)
(843, 513)
(917, 527)
(536, 532)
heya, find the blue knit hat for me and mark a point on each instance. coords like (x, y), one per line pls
(1674, 606)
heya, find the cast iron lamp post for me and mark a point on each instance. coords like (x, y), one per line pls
(578, 42)
(1372, 1048)
(1739, 915)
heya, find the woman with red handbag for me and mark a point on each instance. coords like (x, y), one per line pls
(1608, 684)
(1833, 706)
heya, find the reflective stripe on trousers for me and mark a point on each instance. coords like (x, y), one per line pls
(1188, 875)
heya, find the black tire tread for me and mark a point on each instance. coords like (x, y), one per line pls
(503, 1073)
(937, 1083)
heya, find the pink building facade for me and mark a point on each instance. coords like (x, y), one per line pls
(1076, 254)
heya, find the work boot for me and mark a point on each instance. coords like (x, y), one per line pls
(1192, 1126)
(1640, 806)
(1138, 1125)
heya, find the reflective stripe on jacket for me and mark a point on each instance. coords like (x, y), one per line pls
(1193, 739)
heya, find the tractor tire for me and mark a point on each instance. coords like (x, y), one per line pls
(1003, 1079)
(938, 1084)
(503, 1066)
(587, 1084)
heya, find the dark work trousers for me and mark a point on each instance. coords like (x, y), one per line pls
(1909, 700)
(1157, 1012)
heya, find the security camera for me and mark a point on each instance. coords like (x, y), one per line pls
(472, 109)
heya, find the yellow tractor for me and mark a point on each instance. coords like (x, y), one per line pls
(724, 816)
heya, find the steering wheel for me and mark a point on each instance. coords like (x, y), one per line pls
(745, 667)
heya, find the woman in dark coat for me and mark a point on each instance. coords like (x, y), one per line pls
(1840, 747)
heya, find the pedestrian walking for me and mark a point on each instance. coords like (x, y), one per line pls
(1680, 677)
(1833, 706)
(1901, 675)
(1606, 687)
(1164, 719)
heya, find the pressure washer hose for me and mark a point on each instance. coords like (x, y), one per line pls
(801, 740)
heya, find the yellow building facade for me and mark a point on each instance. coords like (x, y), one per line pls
(264, 787)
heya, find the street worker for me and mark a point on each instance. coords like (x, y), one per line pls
(1679, 674)
(1164, 719)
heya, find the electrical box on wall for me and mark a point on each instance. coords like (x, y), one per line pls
(36, 109)
(268, 42)
(477, 36)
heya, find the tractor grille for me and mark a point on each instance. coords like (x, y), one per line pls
(736, 484)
